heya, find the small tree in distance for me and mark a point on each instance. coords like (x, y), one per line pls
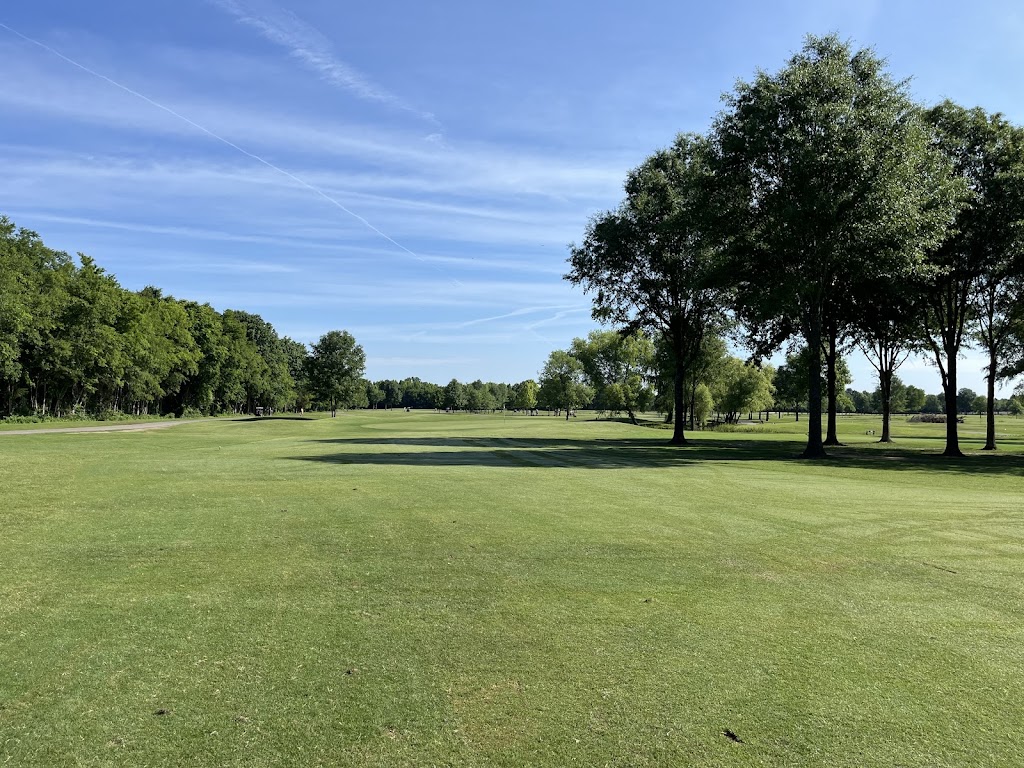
(335, 370)
(561, 383)
(744, 387)
(618, 368)
(526, 395)
(702, 406)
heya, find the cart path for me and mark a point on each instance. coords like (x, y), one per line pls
(103, 427)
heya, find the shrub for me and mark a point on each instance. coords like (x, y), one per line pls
(25, 419)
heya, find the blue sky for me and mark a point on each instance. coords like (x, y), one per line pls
(409, 172)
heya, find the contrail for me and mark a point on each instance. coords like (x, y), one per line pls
(306, 44)
(517, 313)
(556, 316)
(211, 134)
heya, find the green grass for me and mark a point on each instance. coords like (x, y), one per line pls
(399, 588)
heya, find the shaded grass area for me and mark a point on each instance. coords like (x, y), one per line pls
(639, 453)
(416, 589)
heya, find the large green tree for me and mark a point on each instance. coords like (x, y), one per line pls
(33, 281)
(161, 352)
(375, 395)
(826, 178)
(971, 262)
(199, 390)
(913, 398)
(454, 397)
(89, 358)
(650, 264)
(392, 392)
(243, 370)
(420, 394)
(269, 384)
(296, 353)
(997, 218)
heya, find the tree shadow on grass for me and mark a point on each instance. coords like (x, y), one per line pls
(246, 419)
(631, 454)
(966, 441)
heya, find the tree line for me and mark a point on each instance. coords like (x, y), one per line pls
(823, 208)
(615, 374)
(73, 341)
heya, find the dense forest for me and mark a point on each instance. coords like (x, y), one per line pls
(72, 340)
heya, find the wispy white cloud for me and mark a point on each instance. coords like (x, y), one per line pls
(253, 204)
(374, 156)
(173, 261)
(213, 135)
(479, 212)
(306, 44)
(498, 262)
(194, 233)
(515, 313)
(299, 242)
(328, 286)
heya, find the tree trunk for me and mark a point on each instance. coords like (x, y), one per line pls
(952, 439)
(990, 411)
(678, 437)
(885, 386)
(815, 448)
(831, 438)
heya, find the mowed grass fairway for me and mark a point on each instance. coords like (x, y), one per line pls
(392, 588)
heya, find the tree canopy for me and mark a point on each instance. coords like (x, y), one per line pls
(826, 178)
(649, 264)
(562, 384)
(335, 370)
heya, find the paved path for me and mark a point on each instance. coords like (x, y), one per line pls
(115, 427)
